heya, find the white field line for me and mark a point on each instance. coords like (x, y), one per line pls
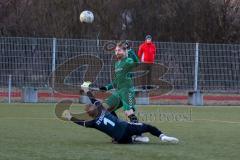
(38, 118)
(219, 121)
(28, 118)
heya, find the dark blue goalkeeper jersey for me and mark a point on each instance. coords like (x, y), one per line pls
(107, 123)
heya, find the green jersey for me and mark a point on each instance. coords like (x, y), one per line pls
(122, 78)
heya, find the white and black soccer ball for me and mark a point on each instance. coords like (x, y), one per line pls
(86, 17)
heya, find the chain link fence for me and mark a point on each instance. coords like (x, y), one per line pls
(33, 62)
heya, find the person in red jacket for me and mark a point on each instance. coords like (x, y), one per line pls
(147, 51)
(146, 54)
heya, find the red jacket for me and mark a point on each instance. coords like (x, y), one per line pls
(147, 52)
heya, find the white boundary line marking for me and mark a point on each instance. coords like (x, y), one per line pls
(31, 118)
(215, 120)
(193, 120)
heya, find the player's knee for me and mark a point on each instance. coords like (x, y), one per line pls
(129, 112)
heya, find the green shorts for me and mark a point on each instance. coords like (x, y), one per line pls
(124, 98)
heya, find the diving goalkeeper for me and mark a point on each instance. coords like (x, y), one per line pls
(121, 131)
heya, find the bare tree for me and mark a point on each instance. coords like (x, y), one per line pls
(165, 20)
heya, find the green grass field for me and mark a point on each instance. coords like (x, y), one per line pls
(29, 132)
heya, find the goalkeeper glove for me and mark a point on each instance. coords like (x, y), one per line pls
(85, 86)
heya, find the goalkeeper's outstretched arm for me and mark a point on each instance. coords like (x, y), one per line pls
(82, 122)
(67, 115)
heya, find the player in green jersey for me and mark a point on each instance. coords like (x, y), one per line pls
(124, 95)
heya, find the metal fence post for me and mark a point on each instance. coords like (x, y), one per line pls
(9, 88)
(195, 97)
(53, 65)
(196, 67)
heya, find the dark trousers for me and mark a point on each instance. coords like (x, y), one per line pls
(138, 129)
(147, 79)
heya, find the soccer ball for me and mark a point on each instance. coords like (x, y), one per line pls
(87, 17)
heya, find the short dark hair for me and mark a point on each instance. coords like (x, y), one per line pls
(122, 44)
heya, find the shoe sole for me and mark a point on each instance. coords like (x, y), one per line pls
(143, 140)
(171, 141)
